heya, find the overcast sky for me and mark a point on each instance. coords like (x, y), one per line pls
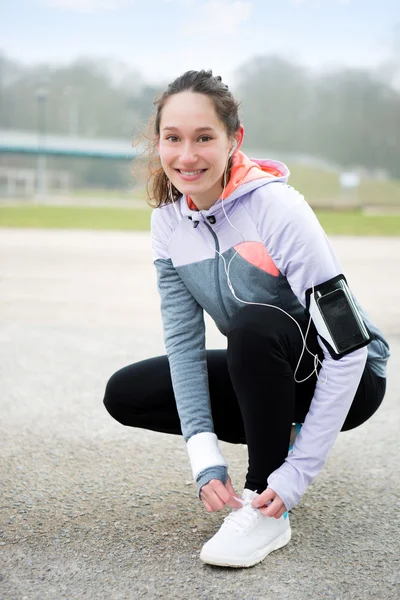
(163, 38)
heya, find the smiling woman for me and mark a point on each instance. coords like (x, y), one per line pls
(180, 152)
(232, 238)
(194, 158)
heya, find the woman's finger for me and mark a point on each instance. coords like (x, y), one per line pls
(229, 487)
(207, 506)
(281, 512)
(273, 509)
(215, 493)
(232, 502)
(224, 494)
(261, 500)
(213, 500)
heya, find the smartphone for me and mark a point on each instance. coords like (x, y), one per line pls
(344, 324)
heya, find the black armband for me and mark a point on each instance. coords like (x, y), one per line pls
(336, 317)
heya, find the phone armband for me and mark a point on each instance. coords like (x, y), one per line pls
(336, 317)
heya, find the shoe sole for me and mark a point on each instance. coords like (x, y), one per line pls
(253, 559)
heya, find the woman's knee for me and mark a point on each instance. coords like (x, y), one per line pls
(368, 399)
(266, 321)
(120, 398)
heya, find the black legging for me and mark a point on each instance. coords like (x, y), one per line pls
(254, 398)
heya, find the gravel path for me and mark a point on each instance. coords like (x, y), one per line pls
(92, 510)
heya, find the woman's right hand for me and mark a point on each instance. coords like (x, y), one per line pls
(215, 495)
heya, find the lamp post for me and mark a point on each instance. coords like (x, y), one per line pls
(41, 97)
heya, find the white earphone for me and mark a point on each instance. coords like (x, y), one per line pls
(235, 145)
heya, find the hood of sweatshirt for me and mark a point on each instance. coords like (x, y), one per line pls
(246, 174)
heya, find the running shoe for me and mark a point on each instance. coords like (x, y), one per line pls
(246, 536)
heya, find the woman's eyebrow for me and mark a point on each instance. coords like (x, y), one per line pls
(207, 128)
(197, 130)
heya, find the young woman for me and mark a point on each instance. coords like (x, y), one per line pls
(231, 237)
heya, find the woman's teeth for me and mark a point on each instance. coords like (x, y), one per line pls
(189, 173)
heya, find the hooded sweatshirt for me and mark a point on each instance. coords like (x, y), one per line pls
(269, 240)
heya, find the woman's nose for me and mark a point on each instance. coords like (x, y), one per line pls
(188, 154)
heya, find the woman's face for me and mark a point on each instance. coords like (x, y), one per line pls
(194, 147)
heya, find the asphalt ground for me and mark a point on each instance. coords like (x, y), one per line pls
(92, 510)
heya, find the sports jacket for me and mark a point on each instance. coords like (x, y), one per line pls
(278, 251)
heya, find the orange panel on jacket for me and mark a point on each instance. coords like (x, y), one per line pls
(256, 254)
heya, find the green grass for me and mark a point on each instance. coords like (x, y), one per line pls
(130, 219)
(75, 217)
(357, 223)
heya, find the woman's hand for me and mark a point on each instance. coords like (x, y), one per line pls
(275, 507)
(215, 495)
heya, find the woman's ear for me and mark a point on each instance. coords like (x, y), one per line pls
(237, 140)
(239, 135)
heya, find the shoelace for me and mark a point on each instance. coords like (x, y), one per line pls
(241, 519)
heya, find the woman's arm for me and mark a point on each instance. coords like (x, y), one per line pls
(184, 335)
(303, 254)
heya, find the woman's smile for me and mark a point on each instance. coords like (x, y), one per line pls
(192, 175)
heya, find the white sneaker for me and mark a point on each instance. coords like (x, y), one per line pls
(246, 536)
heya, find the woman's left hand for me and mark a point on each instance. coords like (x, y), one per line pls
(275, 507)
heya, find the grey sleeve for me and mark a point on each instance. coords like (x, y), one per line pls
(184, 335)
(218, 472)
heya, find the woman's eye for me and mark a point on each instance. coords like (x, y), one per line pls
(204, 138)
(172, 138)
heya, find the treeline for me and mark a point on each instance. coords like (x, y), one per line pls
(86, 98)
(349, 117)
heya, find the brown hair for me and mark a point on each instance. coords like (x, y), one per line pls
(226, 107)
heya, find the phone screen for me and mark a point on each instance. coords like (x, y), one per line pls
(340, 320)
